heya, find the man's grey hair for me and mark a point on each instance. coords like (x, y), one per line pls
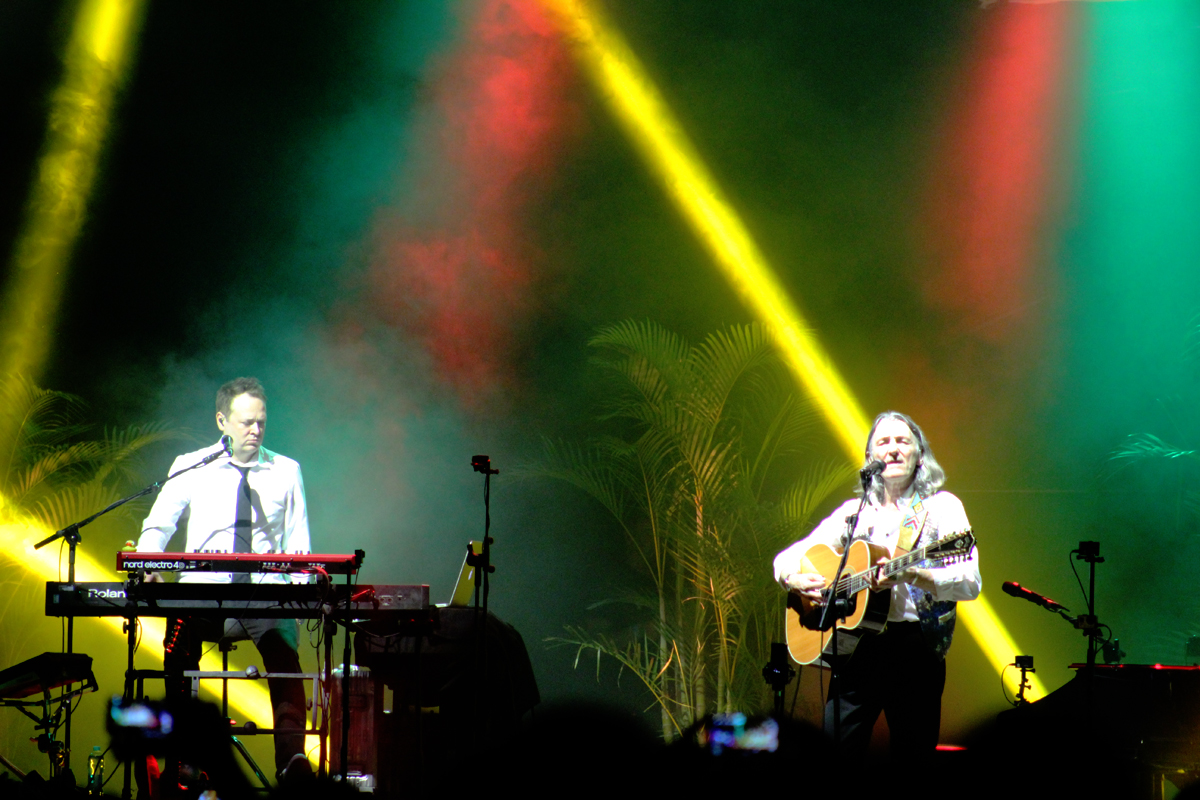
(929, 477)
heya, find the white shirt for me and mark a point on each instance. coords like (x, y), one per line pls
(879, 525)
(209, 496)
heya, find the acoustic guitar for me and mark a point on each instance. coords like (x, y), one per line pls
(867, 611)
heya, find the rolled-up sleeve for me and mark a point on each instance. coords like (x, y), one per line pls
(160, 524)
(295, 528)
(961, 580)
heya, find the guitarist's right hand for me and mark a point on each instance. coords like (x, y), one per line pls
(806, 584)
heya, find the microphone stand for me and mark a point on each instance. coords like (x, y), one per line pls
(836, 608)
(71, 534)
(1088, 623)
(483, 569)
(1089, 552)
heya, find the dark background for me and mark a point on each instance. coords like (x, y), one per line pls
(269, 165)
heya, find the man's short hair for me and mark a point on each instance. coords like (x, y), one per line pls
(236, 388)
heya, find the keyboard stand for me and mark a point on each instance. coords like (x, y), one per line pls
(43, 674)
(250, 729)
(134, 688)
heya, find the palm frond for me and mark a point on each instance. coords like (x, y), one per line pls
(65, 462)
(608, 472)
(647, 355)
(599, 471)
(73, 503)
(31, 417)
(123, 447)
(1191, 501)
(1143, 447)
(802, 499)
(723, 359)
(1146, 445)
(637, 656)
(1191, 341)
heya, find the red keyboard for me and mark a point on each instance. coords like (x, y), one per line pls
(333, 564)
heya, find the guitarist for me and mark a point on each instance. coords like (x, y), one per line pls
(902, 670)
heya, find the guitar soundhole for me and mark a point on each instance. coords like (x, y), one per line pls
(810, 612)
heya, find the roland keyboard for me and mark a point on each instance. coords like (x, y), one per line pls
(329, 563)
(235, 600)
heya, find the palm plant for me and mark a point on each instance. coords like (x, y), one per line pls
(1145, 450)
(53, 473)
(1157, 475)
(699, 432)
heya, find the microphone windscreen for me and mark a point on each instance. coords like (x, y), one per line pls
(874, 468)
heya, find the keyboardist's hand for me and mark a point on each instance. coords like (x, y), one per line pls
(154, 577)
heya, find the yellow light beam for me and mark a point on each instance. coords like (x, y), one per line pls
(989, 633)
(665, 148)
(94, 63)
(658, 137)
(18, 534)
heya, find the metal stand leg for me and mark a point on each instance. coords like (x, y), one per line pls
(330, 630)
(130, 683)
(345, 720)
(241, 748)
(225, 646)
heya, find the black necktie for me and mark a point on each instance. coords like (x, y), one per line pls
(243, 523)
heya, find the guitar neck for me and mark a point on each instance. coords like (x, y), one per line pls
(901, 563)
(861, 580)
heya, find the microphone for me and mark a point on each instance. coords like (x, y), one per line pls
(871, 470)
(226, 450)
(1017, 590)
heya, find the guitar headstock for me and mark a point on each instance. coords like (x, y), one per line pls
(957, 547)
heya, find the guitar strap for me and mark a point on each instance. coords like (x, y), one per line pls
(912, 527)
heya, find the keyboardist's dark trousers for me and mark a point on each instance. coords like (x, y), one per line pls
(276, 640)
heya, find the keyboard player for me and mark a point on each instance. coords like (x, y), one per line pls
(251, 501)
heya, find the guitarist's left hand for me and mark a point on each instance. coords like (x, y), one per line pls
(878, 581)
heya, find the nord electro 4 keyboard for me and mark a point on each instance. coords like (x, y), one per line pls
(332, 564)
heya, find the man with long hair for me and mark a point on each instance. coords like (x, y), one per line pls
(900, 671)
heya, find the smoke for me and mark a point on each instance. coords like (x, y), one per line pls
(454, 266)
(383, 385)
